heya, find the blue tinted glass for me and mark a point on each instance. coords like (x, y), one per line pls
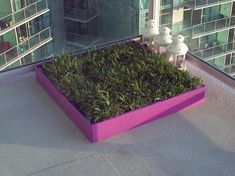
(36, 29)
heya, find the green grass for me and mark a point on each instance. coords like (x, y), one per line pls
(111, 81)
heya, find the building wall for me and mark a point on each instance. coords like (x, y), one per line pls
(192, 21)
(25, 30)
(5, 8)
(57, 24)
(109, 21)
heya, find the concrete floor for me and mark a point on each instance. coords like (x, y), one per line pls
(37, 139)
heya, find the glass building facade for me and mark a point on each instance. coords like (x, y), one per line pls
(94, 22)
(33, 30)
(208, 26)
(25, 32)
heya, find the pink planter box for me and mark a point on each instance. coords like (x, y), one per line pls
(102, 130)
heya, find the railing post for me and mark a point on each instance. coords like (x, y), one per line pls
(46, 4)
(224, 48)
(35, 6)
(17, 50)
(13, 19)
(5, 58)
(24, 14)
(49, 32)
(193, 31)
(29, 43)
(213, 51)
(40, 36)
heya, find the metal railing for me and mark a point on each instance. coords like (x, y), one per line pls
(23, 14)
(172, 4)
(204, 28)
(190, 3)
(80, 14)
(26, 46)
(213, 26)
(215, 51)
(81, 40)
(204, 3)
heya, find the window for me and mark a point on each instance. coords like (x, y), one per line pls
(228, 59)
(233, 58)
(22, 32)
(18, 4)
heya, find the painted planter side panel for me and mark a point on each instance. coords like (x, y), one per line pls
(103, 130)
(147, 114)
(63, 102)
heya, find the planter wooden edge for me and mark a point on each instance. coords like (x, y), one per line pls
(102, 130)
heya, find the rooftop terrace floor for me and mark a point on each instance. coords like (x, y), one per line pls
(37, 139)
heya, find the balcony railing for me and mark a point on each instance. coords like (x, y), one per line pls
(26, 46)
(213, 26)
(83, 41)
(80, 14)
(172, 4)
(216, 51)
(197, 4)
(21, 15)
(204, 28)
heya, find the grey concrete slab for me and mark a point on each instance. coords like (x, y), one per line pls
(37, 138)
